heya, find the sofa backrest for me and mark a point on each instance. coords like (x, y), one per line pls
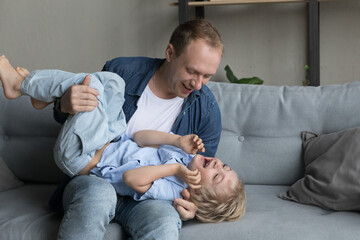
(262, 125)
(260, 138)
(27, 137)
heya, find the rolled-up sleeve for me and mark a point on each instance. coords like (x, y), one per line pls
(162, 189)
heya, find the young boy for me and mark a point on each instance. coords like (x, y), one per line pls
(84, 144)
(162, 173)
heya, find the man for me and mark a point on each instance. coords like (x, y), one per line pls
(160, 94)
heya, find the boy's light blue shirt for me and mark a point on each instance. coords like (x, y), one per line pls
(125, 154)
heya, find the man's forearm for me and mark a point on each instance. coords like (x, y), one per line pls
(141, 179)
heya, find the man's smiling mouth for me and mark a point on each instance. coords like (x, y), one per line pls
(187, 89)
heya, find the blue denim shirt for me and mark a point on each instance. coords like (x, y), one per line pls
(200, 113)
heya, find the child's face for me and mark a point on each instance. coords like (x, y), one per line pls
(213, 172)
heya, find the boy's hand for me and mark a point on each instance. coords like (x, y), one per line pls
(191, 144)
(192, 178)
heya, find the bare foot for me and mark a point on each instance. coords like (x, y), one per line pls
(23, 72)
(37, 104)
(10, 78)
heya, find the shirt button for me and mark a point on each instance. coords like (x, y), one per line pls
(241, 138)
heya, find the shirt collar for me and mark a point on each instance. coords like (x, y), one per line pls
(138, 89)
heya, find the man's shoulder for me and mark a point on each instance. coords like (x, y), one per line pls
(205, 94)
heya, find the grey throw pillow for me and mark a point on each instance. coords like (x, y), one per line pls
(332, 171)
(7, 179)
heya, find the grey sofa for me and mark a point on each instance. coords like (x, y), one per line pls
(260, 141)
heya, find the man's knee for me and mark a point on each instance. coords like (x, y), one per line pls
(150, 219)
(90, 193)
(168, 217)
(165, 221)
(89, 205)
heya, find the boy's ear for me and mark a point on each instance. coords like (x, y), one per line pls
(194, 191)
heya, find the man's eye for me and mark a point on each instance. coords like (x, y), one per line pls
(216, 176)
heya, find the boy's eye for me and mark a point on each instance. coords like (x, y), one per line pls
(226, 166)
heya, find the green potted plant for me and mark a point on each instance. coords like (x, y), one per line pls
(233, 79)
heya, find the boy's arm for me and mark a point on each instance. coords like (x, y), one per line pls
(146, 138)
(141, 179)
(189, 143)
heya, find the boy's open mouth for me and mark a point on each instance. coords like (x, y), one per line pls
(206, 162)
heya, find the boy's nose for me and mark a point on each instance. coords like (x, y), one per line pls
(216, 164)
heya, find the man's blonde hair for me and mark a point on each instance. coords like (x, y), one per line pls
(215, 206)
(195, 30)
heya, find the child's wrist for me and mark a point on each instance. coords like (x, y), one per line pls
(178, 142)
(178, 168)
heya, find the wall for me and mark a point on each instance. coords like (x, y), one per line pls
(340, 42)
(264, 40)
(80, 35)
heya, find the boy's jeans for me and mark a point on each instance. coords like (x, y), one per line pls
(90, 203)
(83, 133)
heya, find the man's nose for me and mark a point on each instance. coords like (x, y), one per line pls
(197, 82)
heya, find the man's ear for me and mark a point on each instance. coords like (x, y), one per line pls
(169, 52)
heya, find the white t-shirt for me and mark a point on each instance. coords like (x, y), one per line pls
(154, 113)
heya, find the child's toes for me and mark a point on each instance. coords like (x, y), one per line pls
(22, 71)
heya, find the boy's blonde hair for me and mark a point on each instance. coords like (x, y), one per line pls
(215, 206)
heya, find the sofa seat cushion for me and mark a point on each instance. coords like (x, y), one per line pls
(23, 212)
(24, 215)
(269, 217)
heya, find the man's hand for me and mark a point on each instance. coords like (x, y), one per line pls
(80, 98)
(185, 207)
(191, 144)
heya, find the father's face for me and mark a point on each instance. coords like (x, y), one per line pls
(193, 68)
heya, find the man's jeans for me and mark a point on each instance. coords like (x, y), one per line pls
(90, 203)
